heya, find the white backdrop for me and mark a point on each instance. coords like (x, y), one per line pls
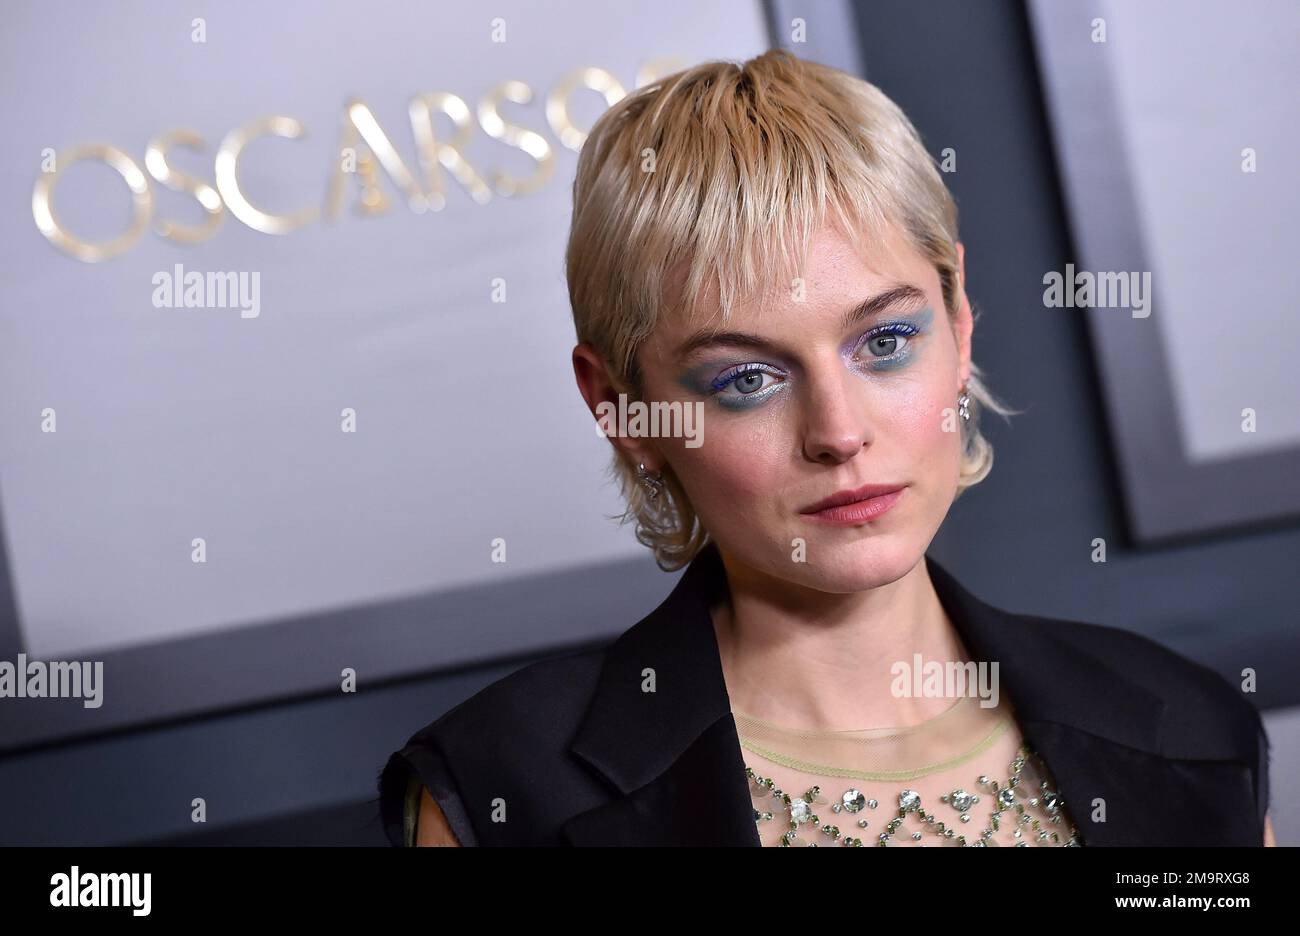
(174, 424)
(1223, 267)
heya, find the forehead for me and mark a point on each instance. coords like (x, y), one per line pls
(838, 274)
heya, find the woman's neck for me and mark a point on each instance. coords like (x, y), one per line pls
(804, 658)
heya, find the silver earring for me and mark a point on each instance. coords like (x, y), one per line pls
(653, 483)
(963, 406)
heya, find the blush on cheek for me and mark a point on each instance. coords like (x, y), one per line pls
(931, 436)
(738, 476)
(725, 478)
(919, 416)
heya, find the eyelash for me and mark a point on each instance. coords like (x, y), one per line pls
(731, 375)
(891, 329)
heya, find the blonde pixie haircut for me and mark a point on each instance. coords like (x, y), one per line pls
(718, 176)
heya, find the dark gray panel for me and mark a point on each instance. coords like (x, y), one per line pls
(305, 656)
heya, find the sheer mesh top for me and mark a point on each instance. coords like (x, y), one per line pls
(965, 777)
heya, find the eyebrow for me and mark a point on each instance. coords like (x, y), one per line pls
(897, 297)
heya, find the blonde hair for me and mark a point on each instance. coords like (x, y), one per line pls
(719, 175)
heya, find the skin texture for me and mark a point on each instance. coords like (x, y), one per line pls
(431, 828)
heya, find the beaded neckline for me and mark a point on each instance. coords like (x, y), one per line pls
(1015, 797)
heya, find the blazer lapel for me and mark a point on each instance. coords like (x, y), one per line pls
(1099, 732)
(660, 730)
(701, 798)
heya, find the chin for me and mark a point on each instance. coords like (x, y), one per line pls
(842, 564)
(867, 564)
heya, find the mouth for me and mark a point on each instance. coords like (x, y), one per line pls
(856, 506)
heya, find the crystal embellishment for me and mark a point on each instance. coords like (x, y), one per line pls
(960, 800)
(853, 800)
(1024, 828)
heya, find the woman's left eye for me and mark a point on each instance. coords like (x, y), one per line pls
(888, 340)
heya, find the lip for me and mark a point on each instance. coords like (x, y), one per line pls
(856, 506)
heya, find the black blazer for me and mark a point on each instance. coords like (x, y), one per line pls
(572, 751)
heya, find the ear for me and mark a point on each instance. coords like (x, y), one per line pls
(963, 319)
(602, 396)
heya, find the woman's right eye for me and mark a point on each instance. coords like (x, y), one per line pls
(750, 381)
(745, 385)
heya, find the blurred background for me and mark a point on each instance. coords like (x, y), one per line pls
(271, 513)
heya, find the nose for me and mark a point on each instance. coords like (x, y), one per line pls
(837, 423)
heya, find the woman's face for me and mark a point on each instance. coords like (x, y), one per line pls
(807, 396)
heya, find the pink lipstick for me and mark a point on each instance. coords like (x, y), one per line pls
(856, 506)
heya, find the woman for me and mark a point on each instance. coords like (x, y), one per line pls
(770, 246)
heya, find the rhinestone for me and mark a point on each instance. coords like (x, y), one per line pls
(960, 800)
(799, 810)
(854, 800)
(909, 800)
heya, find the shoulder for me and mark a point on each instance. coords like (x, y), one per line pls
(1201, 704)
(1206, 716)
(538, 700)
(498, 741)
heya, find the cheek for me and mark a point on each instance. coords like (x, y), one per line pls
(736, 465)
(918, 421)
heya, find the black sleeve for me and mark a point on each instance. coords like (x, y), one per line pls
(418, 764)
(1261, 768)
